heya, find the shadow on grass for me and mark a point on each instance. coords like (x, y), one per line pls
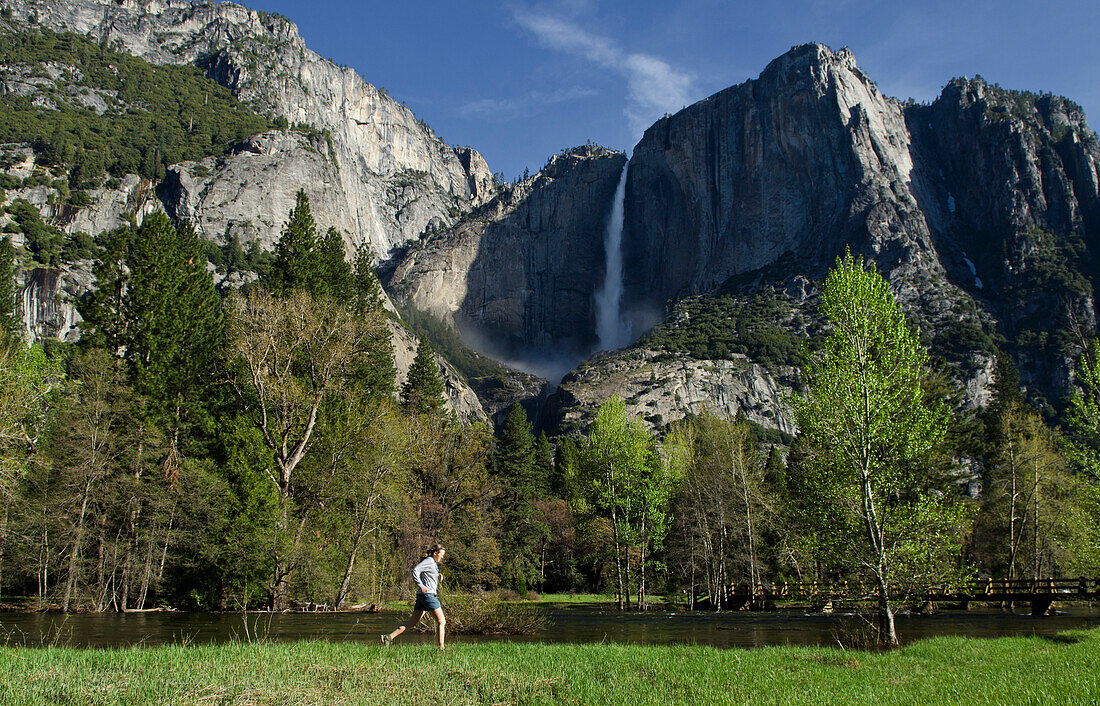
(1063, 638)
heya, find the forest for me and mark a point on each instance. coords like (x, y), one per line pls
(251, 450)
(98, 111)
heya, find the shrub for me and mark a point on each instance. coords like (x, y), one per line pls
(490, 614)
(721, 326)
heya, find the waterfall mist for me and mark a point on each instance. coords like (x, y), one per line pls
(613, 332)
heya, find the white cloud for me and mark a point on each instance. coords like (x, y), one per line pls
(505, 108)
(653, 86)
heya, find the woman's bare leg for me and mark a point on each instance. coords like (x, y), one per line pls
(441, 620)
(410, 623)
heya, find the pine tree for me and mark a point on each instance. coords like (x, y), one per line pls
(338, 279)
(9, 319)
(156, 305)
(775, 473)
(305, 261)
(235, 260)
(544, 465)
(367, 290)
(516, 452)
(422, 392)
(519, 479)
(297, 264)
(377, 373)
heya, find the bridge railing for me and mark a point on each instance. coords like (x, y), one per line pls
(859, 590)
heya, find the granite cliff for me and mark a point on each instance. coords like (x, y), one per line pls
(387, 174)
(980, 208)
(518, 275)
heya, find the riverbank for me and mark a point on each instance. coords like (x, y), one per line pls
(1063, 669)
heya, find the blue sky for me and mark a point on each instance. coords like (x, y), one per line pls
(520, 80)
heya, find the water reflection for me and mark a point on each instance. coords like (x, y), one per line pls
(572, 623)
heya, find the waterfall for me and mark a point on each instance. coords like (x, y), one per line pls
(611, 330)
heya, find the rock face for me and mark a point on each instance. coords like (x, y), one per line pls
(804, 159)
(659, 388)
(48, 300)
(980, 209)
(249, 192)
(519, 274)
(391, 174)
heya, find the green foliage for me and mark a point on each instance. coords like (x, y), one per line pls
(959, 341)
(471, 364)
(28, 380)
(155, 304)
(544, 463)
(719, 327)
(620, 476)
(303, 261)
(1049, 263)
(871, 433)
(156, 116)
(1036, 518)
(9, 319)
(44, 242)
(377, 373)
(723, 506)
(1085, 411)
(490, 614)
(522, 483)
(47, 244)
(422, 392)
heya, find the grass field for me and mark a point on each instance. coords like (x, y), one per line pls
(576, 598)
(1062, 670)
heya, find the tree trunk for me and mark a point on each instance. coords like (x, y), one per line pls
(43, 573)
(345, 584)
(132, 541)
(888, 634)
(1013, 540)
(3, 539)
(147, 571)
(691, 590)
(101, 565)
(78, 541)
(626, 577)
(618, 556)
(751, 539)
(1035, 523)
(164, 550)
(641, 565)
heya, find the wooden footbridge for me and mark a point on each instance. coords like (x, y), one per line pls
(1039, 593)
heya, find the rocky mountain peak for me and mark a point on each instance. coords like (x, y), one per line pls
(812, 61)
(391, 174)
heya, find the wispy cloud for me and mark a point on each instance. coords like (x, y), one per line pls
(506, 108)
(653, 86)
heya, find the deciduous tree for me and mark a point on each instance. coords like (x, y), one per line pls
(865, 416)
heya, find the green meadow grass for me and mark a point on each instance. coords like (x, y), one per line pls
(945, 670)
(575, 598)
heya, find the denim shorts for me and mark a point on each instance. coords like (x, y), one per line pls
(426, 601)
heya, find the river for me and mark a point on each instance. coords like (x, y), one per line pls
(568, 623)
